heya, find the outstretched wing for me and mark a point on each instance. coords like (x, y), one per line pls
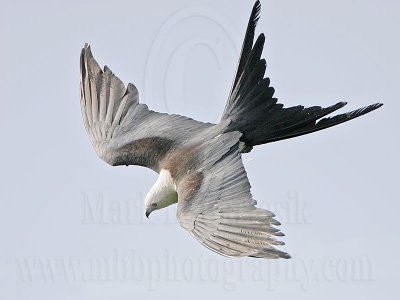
(254, 110)
(215, 205)
(123, 131)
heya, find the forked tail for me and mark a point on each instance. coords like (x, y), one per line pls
(254, 111)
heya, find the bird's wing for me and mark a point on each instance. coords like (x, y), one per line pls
(123, 131)
(254, 110)
(215, 205)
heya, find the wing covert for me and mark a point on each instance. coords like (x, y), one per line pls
(123, 131)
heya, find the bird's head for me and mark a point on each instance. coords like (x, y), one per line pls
(161, 194)
(158, 200)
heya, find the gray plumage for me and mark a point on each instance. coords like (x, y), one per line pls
(199, 163)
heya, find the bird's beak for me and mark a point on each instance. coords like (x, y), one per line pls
(148, 212)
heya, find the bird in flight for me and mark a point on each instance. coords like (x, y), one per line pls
(199, 164)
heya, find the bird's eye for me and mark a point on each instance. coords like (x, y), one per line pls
(154, 204)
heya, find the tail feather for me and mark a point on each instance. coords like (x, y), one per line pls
(303, 123)
(253, 110)
(248, 41)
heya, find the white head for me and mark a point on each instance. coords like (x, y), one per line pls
(162, 193)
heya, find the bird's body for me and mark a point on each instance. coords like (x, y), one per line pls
(199, 164)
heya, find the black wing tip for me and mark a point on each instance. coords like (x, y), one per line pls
(257, 7)
(260, 41)
(372, 106)
(255, 14)
(254, 17)
(336, 106)
(367, 109)
(377, 105)
(360, 111)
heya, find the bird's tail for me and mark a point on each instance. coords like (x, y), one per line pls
(254, 111)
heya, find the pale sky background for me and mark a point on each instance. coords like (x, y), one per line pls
(73, 227)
